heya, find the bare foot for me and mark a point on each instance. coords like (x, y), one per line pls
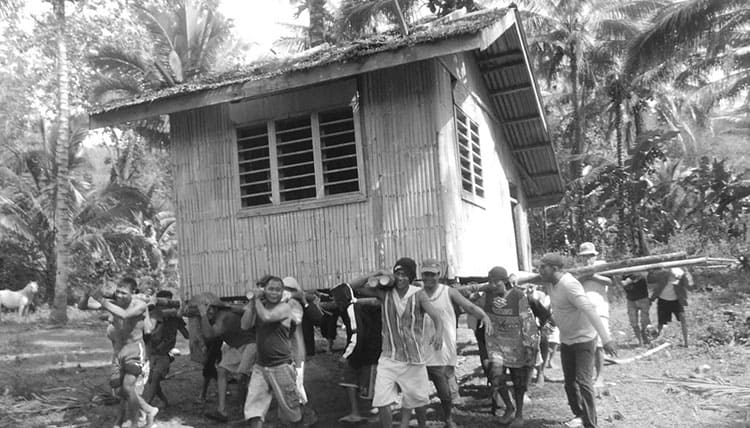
(516, 422)
(150, 416)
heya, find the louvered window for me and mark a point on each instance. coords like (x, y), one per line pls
(469, 154)
(308, 157)
(255, 165)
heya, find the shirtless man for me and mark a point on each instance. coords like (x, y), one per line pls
(130, 365)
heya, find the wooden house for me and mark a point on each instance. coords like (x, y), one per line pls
(337, 161)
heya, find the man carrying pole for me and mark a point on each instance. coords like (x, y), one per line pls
(579, 325)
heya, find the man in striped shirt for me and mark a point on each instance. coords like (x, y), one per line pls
(402, 361)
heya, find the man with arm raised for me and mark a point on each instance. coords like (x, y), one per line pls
(402, 361)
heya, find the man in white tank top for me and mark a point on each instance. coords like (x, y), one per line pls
(441, 364)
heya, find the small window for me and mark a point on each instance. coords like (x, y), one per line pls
(306, 157)
(469, 154)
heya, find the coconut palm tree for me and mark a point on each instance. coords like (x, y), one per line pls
(576, 44)
(61, 219)
(691, 42)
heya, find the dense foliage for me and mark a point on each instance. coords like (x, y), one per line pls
(648, 105)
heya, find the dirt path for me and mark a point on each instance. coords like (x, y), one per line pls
(69, 368)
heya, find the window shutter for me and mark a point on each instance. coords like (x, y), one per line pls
(338, 147)
(255, 165)
(294, 154)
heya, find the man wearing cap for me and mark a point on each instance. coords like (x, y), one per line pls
(401, 365)
(579, 324)
(595, 286)
(441, 365)
(238, 350)
(514, 346)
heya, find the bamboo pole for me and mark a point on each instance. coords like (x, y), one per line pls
(637, 261)
(664, 265)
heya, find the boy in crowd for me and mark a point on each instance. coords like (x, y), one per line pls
(362, 349)
(441, 365)
(238, 349)
(401, 365)
(162, 340)
(274, 374)
(130, 366)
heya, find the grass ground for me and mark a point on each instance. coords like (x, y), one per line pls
(56, 377)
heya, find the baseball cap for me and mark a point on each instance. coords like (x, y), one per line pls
(290, 282)
(498, 273)
(431, 265)
(587, 249)
(552, 259)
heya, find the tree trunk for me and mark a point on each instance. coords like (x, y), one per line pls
(316, 8)
(577, 145)
(59, 313)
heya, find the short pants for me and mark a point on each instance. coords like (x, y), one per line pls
(665, 309)
(159, 365)
(362, 378)
(393, 376)
(131, 359)
(238, 360)
(267, 383)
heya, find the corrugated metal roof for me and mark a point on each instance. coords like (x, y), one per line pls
(507, 74)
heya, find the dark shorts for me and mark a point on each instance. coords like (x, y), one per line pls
(665, 309)
(160, 365)
(362, 378)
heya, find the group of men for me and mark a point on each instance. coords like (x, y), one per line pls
(401, 337)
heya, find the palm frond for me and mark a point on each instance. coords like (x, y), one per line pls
(678, 24)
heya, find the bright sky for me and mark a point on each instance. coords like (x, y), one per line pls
(261, 21)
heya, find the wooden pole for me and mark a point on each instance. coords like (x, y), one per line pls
(636, 261)
(401, 20)
(640, 268)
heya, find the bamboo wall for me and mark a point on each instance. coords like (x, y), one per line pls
(401, 146)
(225, 249)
